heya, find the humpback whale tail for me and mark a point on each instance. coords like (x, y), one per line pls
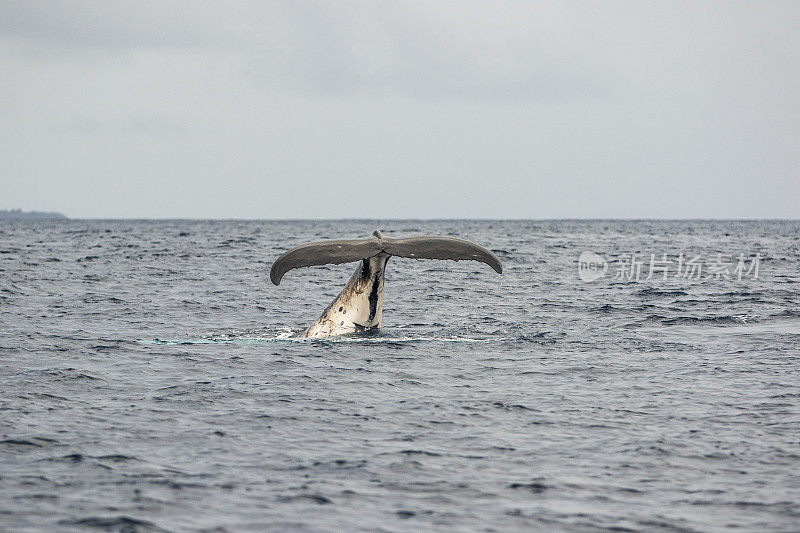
(359, 305)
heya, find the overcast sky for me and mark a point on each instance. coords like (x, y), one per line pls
(401, 109)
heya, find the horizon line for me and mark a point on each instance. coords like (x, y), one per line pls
(420, 219)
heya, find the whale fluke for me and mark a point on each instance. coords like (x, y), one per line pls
(359, 306)
(349, 250)
(442, 248)
(323, 253)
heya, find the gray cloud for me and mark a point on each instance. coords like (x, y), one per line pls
(77, 26)
(417, 50)
(86, 125)
(487, 109)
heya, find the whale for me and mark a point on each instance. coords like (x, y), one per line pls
(359, 306)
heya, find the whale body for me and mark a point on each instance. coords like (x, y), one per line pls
(359, 307)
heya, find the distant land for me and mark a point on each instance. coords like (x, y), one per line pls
(19, 214)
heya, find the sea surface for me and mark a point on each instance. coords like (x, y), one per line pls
(153, 380)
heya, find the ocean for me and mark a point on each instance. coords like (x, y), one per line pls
(619, 375)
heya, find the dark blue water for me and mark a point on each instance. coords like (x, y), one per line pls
(151, 381)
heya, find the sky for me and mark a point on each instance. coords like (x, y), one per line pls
(378, 109)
